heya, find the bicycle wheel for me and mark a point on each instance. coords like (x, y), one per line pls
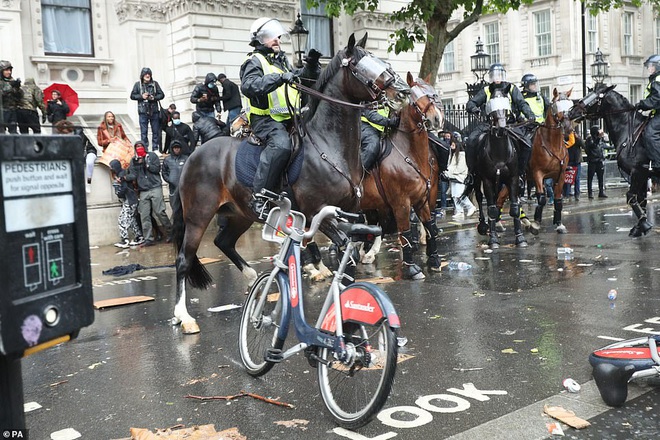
(259, 325)
(355, 391)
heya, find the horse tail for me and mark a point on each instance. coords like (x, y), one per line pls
(197, 275)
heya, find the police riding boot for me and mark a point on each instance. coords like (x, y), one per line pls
(258, 206)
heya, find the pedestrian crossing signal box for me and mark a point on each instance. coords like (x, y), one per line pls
(45, 276)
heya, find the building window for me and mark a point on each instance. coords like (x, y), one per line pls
(542, 33)
(67, 27)
(320, 28)
(635, 93)
(628, 33)
(545, 91)
(492, 41)
(448, 64)
(447, 103)
(657, 35)
(592, 34)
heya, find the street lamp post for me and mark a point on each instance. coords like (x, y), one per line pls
(299, 40)
(599, 69)
(479, 64)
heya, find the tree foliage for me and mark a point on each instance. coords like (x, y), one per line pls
(426, 21)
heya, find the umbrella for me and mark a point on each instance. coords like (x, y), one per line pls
(66, 93)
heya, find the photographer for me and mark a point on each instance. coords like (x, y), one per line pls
(10, 99)
(148, 93)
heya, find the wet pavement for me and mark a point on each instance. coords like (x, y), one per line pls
(514, 326)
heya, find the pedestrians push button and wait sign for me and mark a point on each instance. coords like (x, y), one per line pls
(46, 291)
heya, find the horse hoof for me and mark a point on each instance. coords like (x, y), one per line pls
(413, 272)
(434, 263)
(561, 229)
(535, 228)
(522, 244)
(646, 227)
(494, 244)
(482, 228)
(190, 328)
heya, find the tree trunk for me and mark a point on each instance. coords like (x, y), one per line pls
(437, 39)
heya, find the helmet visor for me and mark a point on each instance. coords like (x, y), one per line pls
(497, 75)
(421, 90)
(270, 30)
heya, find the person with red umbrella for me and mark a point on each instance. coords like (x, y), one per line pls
(57, 109)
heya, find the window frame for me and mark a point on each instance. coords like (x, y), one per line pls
(628, 39)
(318, 13)
(449, 53)
(88, 8)
(492, 46)
(592, 34)
(542, 40)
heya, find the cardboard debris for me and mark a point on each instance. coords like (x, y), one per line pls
(206, 260)
(377, 280)
(114, 302)
(224, 308)
(566, 416)
(203, 432)
(64, 434)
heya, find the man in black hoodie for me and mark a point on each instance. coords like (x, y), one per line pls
(205, 128)
(231, 98)
(207, 97)
(148, 93)
(263, 78)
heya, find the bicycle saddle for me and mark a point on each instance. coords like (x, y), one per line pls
(359, 231)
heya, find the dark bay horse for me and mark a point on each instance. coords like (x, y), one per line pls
(624, 126)
(408, 177)
(497, 165)
(331, 170)
(549, 158)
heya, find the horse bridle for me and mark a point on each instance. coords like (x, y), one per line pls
(424, 90)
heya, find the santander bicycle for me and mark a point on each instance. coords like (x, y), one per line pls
(353, 344)
(615, 365)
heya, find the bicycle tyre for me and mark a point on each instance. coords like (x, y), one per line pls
(355, 394)
(258, 336)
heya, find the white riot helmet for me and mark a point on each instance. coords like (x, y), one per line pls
(265, 29)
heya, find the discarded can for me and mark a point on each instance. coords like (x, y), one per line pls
(571, 385)
(611, 295)
(564, 250)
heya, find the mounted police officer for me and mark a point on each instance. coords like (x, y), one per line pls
(538, 103)
(651, 102)
(264, 76)
(373, 125)
(497, 82)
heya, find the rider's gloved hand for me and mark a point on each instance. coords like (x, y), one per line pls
(393, 121)
(475, 111)
(531, 119)
(638, 106)
(289, 78)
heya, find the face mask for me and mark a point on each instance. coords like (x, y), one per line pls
(176, 121)
(211, 86)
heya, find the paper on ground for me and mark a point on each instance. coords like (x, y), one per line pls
(224, 308)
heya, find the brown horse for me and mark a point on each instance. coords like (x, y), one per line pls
(550, 158)
(408, 177)
(330, 173)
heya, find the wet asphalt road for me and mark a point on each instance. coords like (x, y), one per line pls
(131, 368)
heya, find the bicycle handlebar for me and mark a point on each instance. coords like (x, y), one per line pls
(284, 204)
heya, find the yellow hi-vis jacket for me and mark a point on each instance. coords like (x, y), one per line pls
(536, 104)
(385, 111)
(277, 108)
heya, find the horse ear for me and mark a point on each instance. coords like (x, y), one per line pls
(409, 79)
(351, 44)
(568, 94)
(555, 93)
(363, 41)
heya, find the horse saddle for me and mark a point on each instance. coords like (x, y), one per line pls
(248, 157)
(385, 148)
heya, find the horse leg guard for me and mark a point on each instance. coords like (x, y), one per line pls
(493, 213)
(410, 269)
(431, 245)
(541, 202)
(414, 229)
(556, 216)
(643, 225)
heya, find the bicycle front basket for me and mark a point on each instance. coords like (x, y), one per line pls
(271, 231)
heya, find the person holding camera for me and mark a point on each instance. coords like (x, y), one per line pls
(10, 100)
(206, 97)
(148, 95)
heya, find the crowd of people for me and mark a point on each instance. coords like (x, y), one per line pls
(264, 76)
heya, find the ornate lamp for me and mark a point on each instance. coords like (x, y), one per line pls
(299, 40)
(599, 68)
(479, 65)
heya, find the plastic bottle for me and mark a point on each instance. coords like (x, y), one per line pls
(459, 265)
(564, 250)
(611, 295)
(571, 385)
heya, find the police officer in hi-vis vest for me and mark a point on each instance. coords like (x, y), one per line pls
(651, 102)
(373, 128)
(264, 76)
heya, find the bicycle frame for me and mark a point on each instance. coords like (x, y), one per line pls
(364, 302)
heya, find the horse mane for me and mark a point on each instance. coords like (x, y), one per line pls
(326, 74)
